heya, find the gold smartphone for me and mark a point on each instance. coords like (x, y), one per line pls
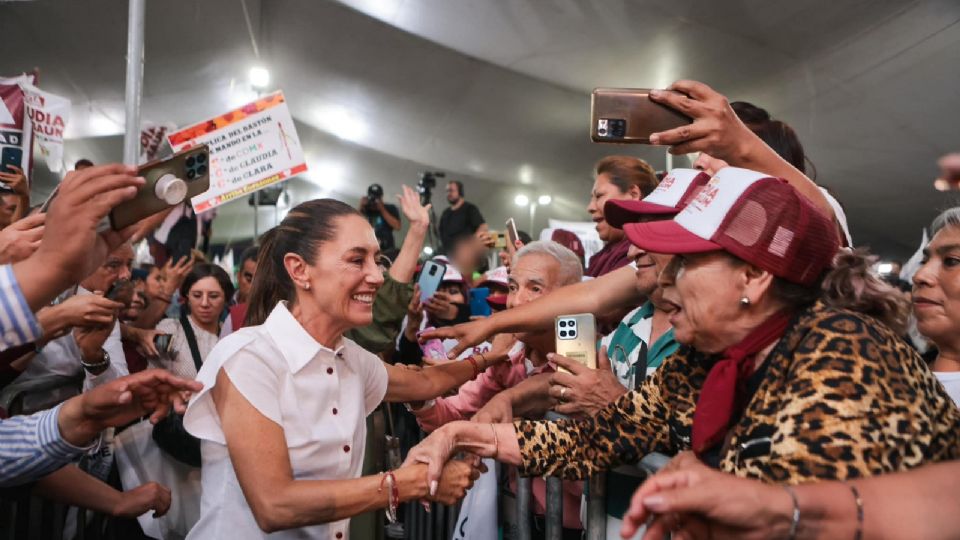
(169, 182)
(512, 236)
(576, 338)
(628, 115)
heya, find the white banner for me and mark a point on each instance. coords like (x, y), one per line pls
(15, 133)
(251, 147)
(48, 115)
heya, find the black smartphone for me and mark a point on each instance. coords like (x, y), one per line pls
(162, 342)
(121, 291)
(9, 156)
(628, 115)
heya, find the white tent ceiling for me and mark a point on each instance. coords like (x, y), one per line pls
(496, 92)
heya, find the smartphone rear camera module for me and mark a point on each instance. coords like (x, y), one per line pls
(612, 128)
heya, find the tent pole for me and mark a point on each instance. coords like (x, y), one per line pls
(131, 137)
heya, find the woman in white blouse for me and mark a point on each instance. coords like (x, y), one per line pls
(204, 294)
(281, 416)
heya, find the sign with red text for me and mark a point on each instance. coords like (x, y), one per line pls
(48, 115)
(14, 131)
(251, 147)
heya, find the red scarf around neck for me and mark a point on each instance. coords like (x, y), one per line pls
(722, 393)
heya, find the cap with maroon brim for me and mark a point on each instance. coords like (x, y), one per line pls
(672, 194)
(667, 237)
(754, 217)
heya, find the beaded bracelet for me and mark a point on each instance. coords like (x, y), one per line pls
(795, 520)
(393, 495)
(859, 502)
(476, 368)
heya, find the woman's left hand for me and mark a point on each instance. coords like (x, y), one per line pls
(716, 129)
(584, 391)
(434, 452)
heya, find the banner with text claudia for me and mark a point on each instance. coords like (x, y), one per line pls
(251, 147)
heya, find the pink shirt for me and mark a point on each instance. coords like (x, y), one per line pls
(473, 395)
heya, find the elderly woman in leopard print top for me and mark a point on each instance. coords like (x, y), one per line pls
(790, 370)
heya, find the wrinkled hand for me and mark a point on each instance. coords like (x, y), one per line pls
(716, 129)
(584, 391)
(21, 238)
(468, 334)
(89, 310)
(149, 496)
(433, 451)
(499, 410)
(416, 213)
(698, 502)
(174, 274)
(16, 180)
(440, 307)
(456, 479)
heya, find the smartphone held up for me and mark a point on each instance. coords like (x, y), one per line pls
(628, 115)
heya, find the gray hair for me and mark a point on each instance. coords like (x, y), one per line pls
(571, 270)
(948, 218)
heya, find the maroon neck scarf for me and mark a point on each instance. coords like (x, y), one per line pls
(721, 397)
(608, 259)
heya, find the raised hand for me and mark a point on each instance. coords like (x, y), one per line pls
(416, 213)
(468, 334)
(21, 238)
(16, 180)
(716, 129)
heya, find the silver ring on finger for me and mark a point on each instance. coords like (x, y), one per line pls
(563, 390)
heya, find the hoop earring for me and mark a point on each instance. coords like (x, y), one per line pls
(744, 301)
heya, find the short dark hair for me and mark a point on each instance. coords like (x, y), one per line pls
(459, 185)
(249, 254)
(626, 171)
(204, 270)
(81, 163)
(776, 134)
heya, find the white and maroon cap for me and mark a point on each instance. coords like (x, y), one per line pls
(672, 194)
(452, 274)
(755, 217)
(498, 275)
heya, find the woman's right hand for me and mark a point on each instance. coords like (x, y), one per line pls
(468, 334)
(174, 274)
(456, 479)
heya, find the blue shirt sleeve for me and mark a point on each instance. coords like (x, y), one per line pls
(32, 447)
(17, 322)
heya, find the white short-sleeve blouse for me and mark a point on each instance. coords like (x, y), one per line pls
(320, 397)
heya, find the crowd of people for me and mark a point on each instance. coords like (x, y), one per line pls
(740, 331)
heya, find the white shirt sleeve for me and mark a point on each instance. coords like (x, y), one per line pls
(375, 381)
(253, 377)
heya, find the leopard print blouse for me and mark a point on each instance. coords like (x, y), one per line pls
(842, 397)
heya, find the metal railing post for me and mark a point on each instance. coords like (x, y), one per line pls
(524, 493)
(554, 529)
(596, 507)
(134, 90)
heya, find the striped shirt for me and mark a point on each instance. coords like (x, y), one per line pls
(17, 323)
(32, 447)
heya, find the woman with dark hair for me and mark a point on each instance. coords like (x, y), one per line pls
(615, 178)
(203, 297)
(788, 371)
(282, 418)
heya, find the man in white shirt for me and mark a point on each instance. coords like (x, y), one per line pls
(95, 352)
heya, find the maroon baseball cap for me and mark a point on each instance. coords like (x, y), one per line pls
(672, 194)
(762, 220)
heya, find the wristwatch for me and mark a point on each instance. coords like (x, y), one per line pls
(96, 368)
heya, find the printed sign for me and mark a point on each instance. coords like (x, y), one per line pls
(14, 132)
(48, 115)
(251, 148)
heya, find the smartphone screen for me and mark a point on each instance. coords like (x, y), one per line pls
(430, 277)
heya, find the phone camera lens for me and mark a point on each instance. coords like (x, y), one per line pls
(191, 161)
(201, 158)
(563, 333)
(191, 174)
(201, 170)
